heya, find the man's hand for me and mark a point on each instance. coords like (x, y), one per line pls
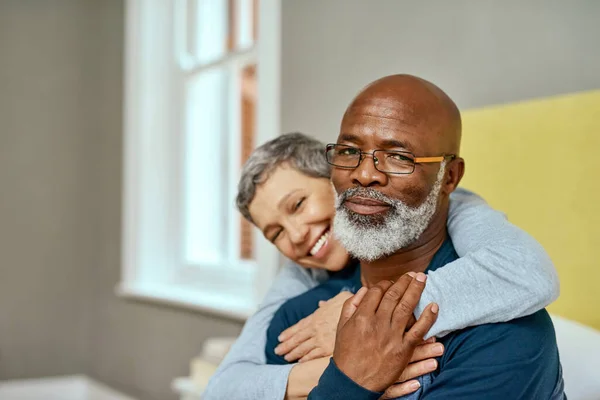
(373, 345)
(314, 336)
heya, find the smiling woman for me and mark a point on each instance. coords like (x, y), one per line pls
(299, 218)
(285, 191)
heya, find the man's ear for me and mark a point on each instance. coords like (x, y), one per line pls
(455, 171)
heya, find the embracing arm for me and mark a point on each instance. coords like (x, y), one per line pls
(243, 374)
(503, 272)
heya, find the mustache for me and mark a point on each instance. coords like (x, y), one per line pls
(364, 192)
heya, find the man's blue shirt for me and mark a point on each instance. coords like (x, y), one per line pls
(513, 360)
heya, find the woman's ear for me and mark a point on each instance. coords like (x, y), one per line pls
(456, 170)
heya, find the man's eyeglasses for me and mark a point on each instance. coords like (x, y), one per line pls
(389, 162)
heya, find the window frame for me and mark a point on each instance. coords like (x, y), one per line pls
(152, 167)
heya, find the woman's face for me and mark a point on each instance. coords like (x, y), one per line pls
(295, 212)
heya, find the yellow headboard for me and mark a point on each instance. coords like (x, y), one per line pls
(539, 162)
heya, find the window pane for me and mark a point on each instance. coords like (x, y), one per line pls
(210, 27)
(247, 139)
(245, 29)
(205, 207)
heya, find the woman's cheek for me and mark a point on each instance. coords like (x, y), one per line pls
(286, 250)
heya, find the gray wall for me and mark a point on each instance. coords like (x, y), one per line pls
(481, 52)
(47, 220)
(61, 79)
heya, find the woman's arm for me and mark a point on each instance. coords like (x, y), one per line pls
(503, 272)
(243, 374)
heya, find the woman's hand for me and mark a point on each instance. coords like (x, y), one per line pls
(314, 336)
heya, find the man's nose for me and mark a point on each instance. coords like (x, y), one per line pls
(366, 174)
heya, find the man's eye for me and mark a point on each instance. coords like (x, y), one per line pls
(348, 152)
(399, 157)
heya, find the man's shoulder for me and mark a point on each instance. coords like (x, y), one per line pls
(515, 359)
(527, 345)
(521, 338)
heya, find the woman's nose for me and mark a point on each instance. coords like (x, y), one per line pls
(298, 233)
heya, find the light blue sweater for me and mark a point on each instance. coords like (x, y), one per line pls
(503, 274)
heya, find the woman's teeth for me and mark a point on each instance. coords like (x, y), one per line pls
(319, 244)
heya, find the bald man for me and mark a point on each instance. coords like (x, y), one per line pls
(395, 164)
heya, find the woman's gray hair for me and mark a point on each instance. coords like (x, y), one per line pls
(300, 151)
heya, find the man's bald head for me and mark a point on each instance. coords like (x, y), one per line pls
(417, 103)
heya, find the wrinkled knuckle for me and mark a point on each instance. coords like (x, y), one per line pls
(405, 308)
(414, 337)
(377, 289)
(385, 285)
(393, 293)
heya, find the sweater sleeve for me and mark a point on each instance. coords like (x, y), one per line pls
(243, 374)
(503, 272)
(335, 385)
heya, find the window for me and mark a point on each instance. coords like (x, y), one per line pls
(194, 111)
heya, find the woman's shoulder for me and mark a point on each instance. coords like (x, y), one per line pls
(291, 270)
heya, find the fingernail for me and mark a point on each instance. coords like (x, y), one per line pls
(439, 349)
(421, 277)
(280, 338)
(277, 350)
(412, 274)
(415, 385)
(431, 364)
(435, 308)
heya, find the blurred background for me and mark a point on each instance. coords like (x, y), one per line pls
(123, 125)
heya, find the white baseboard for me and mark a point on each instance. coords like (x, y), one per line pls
(75, 387)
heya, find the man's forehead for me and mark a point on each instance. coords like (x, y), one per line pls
(382, 131)
(377, 139)
(391, 107)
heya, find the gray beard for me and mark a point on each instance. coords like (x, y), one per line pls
(372, 237)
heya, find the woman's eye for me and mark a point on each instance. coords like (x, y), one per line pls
(299, 203)
(274, 238)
